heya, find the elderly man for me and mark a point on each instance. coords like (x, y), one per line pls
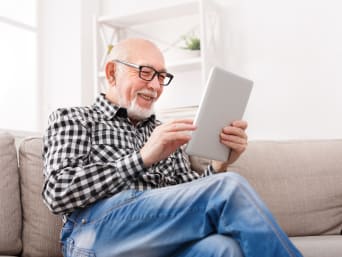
(125, 187)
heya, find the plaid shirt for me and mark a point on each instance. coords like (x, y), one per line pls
(94, 152)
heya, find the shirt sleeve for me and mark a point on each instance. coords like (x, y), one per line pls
(70, 180)
(209, 171)
(183, 168)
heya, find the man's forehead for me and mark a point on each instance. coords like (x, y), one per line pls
(157, 67)
(155, 62)
(145, 53)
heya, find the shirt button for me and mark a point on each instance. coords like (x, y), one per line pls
(83, 221)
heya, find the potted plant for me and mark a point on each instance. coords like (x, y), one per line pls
(188, 46)
(192, 45)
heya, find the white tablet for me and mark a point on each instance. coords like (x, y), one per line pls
(224, 101)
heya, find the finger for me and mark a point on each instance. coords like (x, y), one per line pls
(188, 121)
(179, 136)
(239, 148)
(233, 138)
(231, 127)
(234, 131)
(180, 127)
(242, 124)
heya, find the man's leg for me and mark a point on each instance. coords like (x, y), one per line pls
(160, 222)
(215, 245)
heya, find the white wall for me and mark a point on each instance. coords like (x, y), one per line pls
(65, 55)
(292, 50)
(60, 55)
(19, 100)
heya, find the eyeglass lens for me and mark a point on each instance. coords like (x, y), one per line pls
(148, 73)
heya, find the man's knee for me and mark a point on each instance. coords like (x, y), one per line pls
(233, 179)
(230, 179)
(234, 176)
(218, 246)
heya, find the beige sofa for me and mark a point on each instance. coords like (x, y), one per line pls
(301, 182)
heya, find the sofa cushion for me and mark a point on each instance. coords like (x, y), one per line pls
(10, 208)
(300, 181)
(319, 246)
(40, 228)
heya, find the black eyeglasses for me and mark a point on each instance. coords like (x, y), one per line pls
(148, 73)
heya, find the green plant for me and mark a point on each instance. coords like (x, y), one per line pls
(192, 43)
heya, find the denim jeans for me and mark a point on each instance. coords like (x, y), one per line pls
(219, 215)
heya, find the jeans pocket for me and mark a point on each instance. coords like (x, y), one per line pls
(65, 232)
(70, 250)
(80, 252)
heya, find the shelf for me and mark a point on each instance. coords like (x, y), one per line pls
(189, 64)
(145, 16)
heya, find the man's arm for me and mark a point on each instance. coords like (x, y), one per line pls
(70, 180)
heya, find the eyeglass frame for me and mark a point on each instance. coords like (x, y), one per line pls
(140, 67)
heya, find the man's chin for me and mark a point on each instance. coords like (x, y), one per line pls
(139, 113)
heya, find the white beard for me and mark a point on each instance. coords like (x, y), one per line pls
(135, 112)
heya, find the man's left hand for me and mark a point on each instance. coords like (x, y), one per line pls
(234, 137)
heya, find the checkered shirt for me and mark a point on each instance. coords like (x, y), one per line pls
(94, 152)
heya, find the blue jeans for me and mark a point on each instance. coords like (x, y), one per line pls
(220, 215)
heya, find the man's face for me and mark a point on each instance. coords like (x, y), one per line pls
(136, 94)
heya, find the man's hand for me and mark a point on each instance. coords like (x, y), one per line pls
(234, 137)
(166, 139)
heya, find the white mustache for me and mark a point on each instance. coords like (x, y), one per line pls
(147, 92)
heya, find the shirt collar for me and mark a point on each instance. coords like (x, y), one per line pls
(110, 110)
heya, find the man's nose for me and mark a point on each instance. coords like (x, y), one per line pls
(154, 83)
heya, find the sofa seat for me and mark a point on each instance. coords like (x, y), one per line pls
(319, 246)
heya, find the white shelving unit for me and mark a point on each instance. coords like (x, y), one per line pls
(165, 26)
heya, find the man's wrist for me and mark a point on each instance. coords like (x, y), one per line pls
(219, 166)
(145, 159)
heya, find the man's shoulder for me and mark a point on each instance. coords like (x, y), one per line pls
(82, 114)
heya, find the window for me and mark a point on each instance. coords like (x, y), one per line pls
(19, 106)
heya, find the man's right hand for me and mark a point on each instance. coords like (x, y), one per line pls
(166, 139)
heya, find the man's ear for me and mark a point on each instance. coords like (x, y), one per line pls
(110, 73)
